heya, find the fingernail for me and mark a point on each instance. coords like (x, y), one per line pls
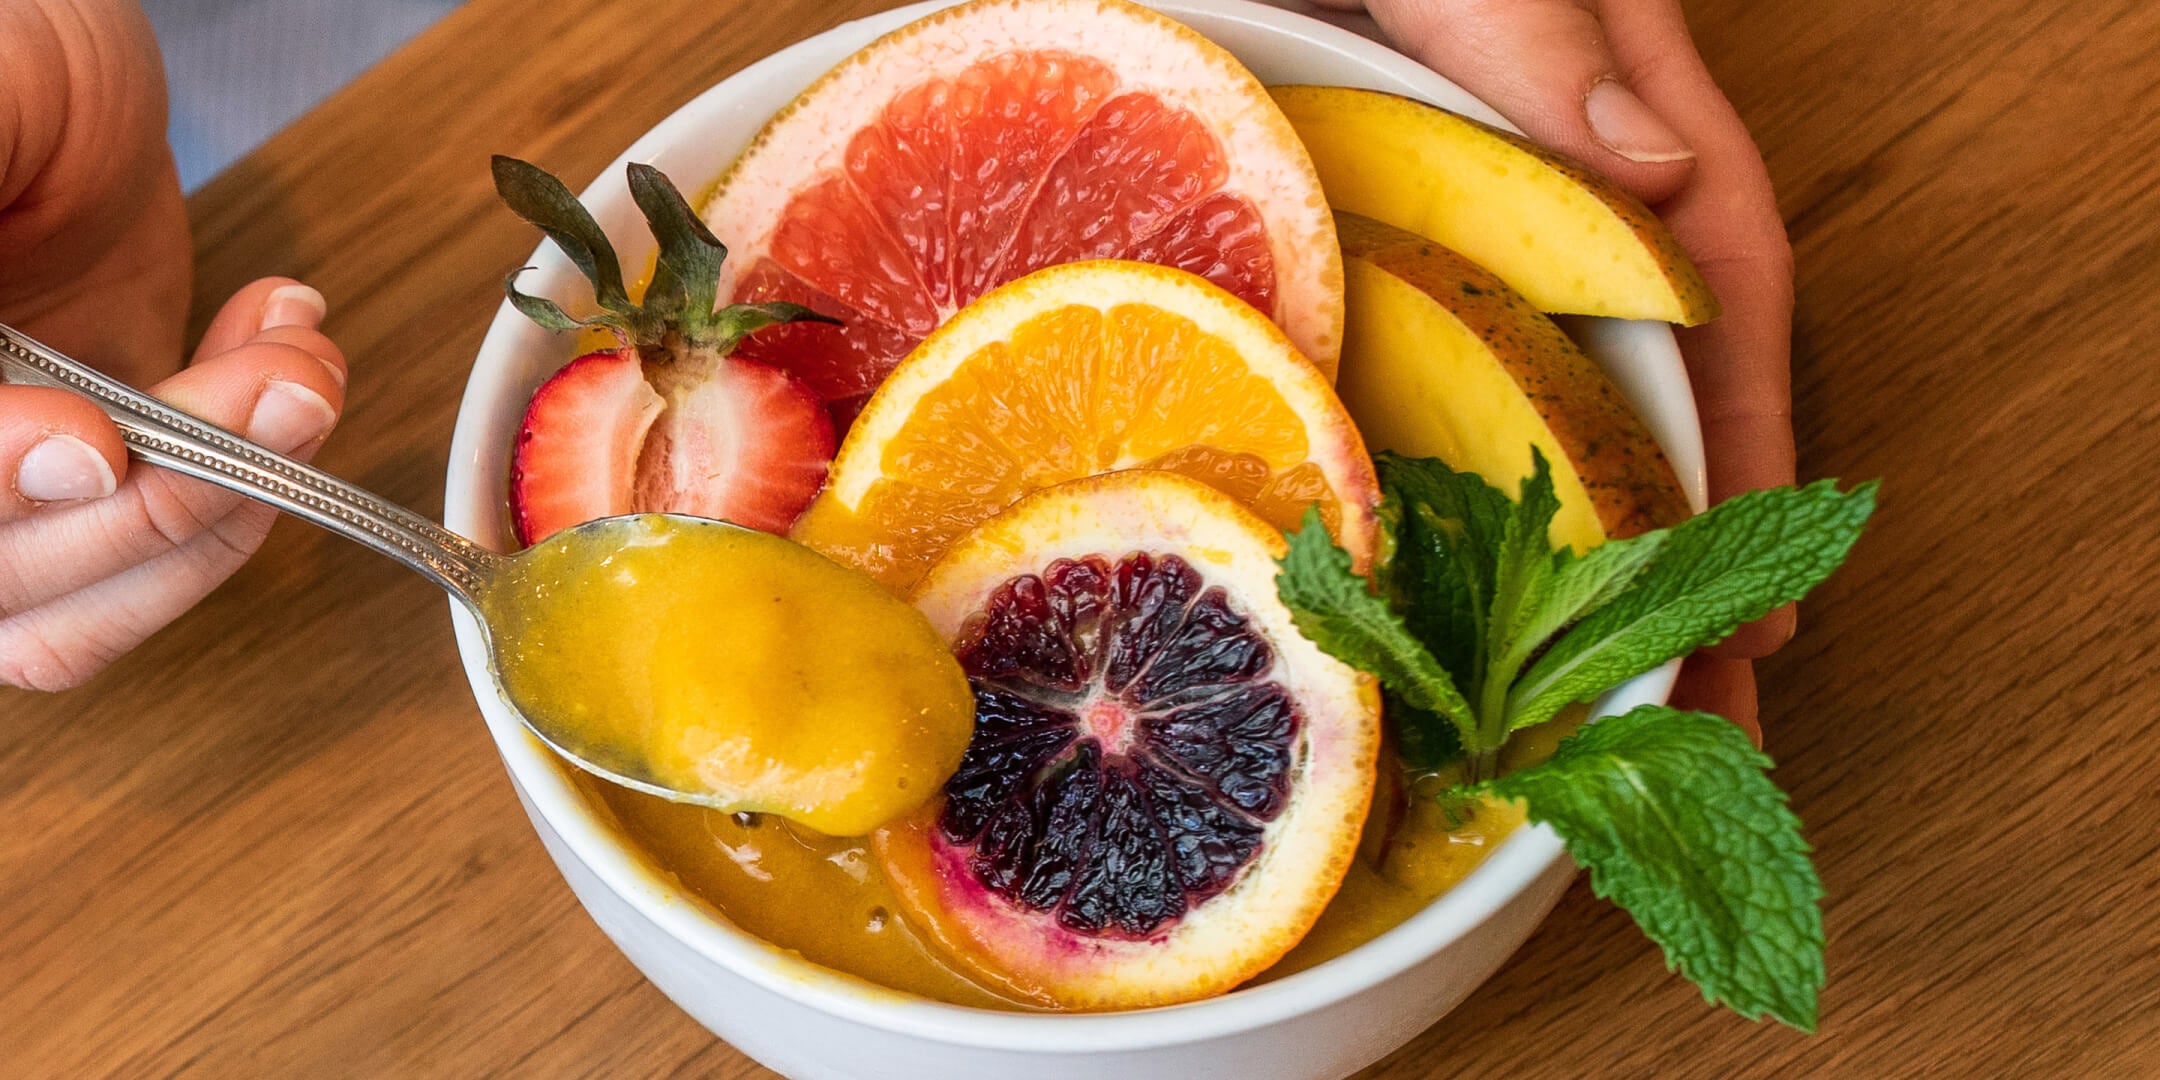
(1630, 128)
(64, 468)
(289, 416)
(294, 305)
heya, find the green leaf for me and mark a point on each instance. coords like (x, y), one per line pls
(538, 308)
(1424, 740)
(1674, 818)
(1333, 607)
(1446, 526)
(686, 274)
(737, 321)
(1575, 587)
(542, 200)
(1523, 570)
(1716, 571)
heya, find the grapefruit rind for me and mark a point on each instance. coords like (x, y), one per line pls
(1238, 933)
(808, 139)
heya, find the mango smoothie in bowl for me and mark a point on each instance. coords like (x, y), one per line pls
(1188, 379)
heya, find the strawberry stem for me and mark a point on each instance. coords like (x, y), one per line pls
(678, 302)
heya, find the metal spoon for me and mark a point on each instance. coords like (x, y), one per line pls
(164, 436)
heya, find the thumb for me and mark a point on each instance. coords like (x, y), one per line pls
(1546, 65)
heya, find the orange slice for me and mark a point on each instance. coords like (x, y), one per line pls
(1165, 782)
(998, 137)
(1082, 369)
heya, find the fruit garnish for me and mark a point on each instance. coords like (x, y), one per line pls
(994, 138)
(668, 421)
(1166, 780)
(1077, 370)
(1480, 628)
(1442, 359)
(1567, 238)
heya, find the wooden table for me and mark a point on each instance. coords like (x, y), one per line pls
(275, 843)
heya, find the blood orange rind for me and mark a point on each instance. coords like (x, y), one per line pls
(1232, 930)
(926, 72)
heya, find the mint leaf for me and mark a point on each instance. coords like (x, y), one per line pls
(1576, 587)
(1672, 815)
(1523, 568)
(1446, 526)
(1425, 741)
(1715, 571)
(1333, 607)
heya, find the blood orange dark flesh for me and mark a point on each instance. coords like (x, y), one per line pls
(1129, 747)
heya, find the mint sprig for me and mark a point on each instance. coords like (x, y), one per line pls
(1677, 823)
(1479, 627)
(1332, 605)
(1732, 565)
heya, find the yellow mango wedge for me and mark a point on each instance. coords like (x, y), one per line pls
(1441, 359)
(1565, 238)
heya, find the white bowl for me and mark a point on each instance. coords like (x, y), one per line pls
(810, 1022)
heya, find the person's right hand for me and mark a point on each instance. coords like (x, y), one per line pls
(95, 556)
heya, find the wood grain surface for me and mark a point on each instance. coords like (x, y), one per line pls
(275, 842)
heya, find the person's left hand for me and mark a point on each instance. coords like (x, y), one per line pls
(1619, 86)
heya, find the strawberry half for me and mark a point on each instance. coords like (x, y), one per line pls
(668, 421)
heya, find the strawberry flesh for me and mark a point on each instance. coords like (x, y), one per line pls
(720, 438)
(739, 441)
(577, 450)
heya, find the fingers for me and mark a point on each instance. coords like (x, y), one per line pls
(278, 390)
(1723, 687)
(62, 644)
(259, 306)
(55, 447)
(1546, 66)
(1727, 219)
(1759, 638)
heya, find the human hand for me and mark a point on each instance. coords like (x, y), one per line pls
(94, 556)
(1618, 85)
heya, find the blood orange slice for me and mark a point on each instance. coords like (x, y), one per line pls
(1166, 781)
(1001, 136)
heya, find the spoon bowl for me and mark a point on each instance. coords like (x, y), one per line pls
(823, 698)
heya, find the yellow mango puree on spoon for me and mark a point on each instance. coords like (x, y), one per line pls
(716, 660)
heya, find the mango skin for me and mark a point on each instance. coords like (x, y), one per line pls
(1564, 237)
(1442, 359)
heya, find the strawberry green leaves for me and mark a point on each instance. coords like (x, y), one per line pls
(1480, 627)
(1674, 818)
(685, 283)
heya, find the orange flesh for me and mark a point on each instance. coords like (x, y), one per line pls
(1073, 392)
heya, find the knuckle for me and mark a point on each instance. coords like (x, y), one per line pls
(30, 662)
(162, 510)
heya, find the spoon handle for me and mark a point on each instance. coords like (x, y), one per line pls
(162, 435)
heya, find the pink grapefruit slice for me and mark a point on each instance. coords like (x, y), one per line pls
(1002, 136)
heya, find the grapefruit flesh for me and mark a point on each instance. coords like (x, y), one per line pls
(998, 137)
(1165, 783)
